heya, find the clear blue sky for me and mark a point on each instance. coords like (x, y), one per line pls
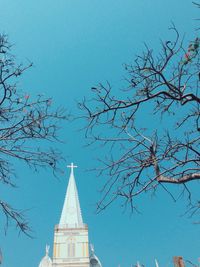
(75, 44)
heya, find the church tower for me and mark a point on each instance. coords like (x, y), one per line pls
(71, 234)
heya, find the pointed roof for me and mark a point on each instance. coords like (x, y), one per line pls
(94, 260)
(46, 260)
(156, 262)
(71, 213)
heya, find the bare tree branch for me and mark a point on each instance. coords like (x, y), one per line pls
(162, 87)
(26, 123)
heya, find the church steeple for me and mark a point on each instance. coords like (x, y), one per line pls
(71, 234)
(71, 216)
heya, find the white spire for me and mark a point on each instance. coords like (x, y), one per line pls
(156, 262)
(46, 260)
(94, 260)
(71, 214)
(47, 250)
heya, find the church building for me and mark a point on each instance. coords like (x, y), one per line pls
(71, 243)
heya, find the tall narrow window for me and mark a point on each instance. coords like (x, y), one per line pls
(71, 249)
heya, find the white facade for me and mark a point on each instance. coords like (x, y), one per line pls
(71, 247)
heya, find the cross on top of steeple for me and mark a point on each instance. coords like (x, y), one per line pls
(72, 166)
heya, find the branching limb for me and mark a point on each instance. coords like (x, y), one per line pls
(162, 87)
